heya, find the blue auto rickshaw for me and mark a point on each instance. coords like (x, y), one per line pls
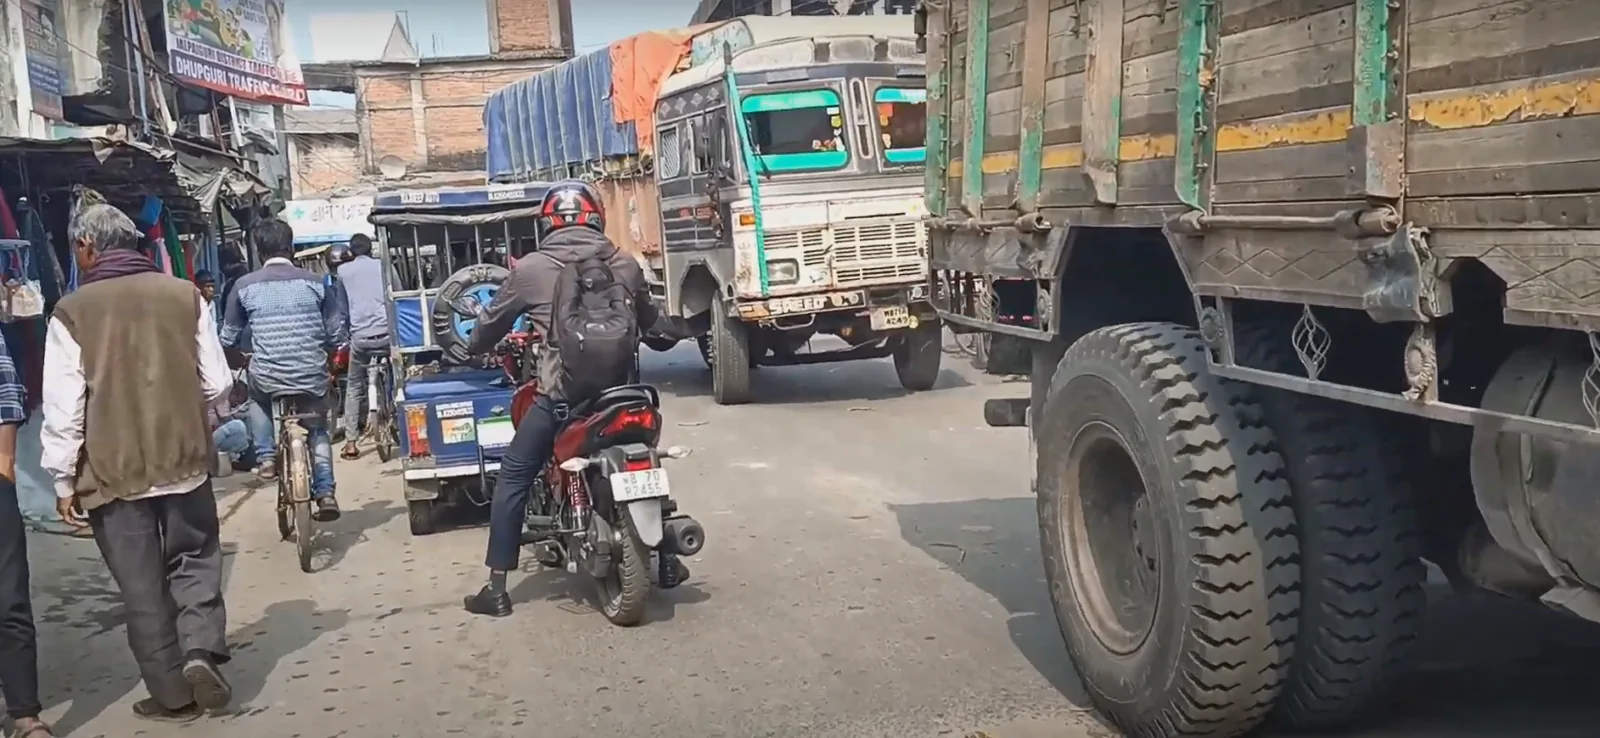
(445, 250)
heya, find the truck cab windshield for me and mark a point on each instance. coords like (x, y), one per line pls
(902, 114)
(797, 131)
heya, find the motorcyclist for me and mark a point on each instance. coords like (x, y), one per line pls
(571, 227)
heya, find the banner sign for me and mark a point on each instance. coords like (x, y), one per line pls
(328, 221)
(41, 37)
(235, 47)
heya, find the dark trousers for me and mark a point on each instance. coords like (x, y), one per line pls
(530, 449)
(166, 556)
(19, 648)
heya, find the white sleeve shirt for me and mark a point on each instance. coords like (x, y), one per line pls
(65, 399)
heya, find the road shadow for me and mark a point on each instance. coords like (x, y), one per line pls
(336, 539)
(1485, 667)
(994, 544)
(577, 594)
(681, 373)
(260, 647)
(84, 657)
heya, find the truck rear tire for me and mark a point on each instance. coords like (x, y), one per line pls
(917, 355)
(1185, 627)
(1360, 548)
(729, 356)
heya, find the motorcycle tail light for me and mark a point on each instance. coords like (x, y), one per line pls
(636, 419)
(638, 465)
(417, 430)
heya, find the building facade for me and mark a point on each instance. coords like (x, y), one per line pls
(421, 118)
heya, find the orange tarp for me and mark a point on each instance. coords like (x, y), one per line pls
(639, 64)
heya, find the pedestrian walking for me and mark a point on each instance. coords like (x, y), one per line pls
(361, 278)
(128, 444)
(19, 643)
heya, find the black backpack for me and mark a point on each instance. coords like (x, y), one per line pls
(594, 327)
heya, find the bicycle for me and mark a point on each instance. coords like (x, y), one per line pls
(380, 408)
(293, 463)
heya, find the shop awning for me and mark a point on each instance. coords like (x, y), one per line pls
(125, 172)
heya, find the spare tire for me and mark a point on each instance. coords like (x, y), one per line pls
(456, 307)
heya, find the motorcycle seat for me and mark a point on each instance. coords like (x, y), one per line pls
(628, 394)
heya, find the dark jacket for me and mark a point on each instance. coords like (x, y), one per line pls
(531, 290)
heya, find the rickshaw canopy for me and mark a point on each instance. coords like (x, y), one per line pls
(426, 236)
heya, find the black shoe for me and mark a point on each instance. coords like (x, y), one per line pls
(211, 690)
(327, 510)
(489, 601)
(149, 709)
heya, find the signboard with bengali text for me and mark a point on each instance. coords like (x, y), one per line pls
(41, 36)
(235, 47)
(328, 221)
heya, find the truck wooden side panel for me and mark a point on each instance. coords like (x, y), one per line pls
(1476, 119)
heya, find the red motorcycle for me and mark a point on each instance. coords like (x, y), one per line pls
(603, 505)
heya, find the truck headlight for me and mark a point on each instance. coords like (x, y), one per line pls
(783, 271)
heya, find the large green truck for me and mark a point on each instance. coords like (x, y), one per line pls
(1312, 292)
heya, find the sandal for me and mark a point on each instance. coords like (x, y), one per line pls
(150, 709)
(350, 452)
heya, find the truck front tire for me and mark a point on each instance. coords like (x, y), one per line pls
(729, 350)
(1167, 535)
(917, 355)
(1362, 596)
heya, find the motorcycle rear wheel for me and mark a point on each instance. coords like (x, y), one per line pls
(625, 590)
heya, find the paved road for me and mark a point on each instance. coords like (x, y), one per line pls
(872, 571)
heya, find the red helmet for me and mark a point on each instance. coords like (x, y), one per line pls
(571, 203)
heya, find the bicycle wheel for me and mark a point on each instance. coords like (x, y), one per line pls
(285, 523)
(285, 502)
(299, 484)
(385, 435)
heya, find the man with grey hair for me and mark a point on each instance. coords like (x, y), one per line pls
(127, 439)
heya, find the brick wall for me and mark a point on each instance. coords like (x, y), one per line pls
(445, 99)
(529, 25)
(322, 163)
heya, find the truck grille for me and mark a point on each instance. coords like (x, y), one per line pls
(861, 254)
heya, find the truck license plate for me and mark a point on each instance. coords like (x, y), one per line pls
(890, 318)
(639, 485)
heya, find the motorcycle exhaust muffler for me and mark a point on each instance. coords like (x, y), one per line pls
(683, 536)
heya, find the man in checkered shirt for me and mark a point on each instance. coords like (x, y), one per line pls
(19, 657)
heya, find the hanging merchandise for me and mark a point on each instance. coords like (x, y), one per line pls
(46, 267)
(20, 295)
(181, 268)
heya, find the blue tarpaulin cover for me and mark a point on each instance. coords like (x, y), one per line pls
(559, 118)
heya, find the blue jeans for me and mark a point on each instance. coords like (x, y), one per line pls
(233, 439)
(266, 438)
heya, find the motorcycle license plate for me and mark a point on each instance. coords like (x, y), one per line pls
(639, 485)
(890, 318)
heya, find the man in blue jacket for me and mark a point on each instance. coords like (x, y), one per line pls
(293, 320)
